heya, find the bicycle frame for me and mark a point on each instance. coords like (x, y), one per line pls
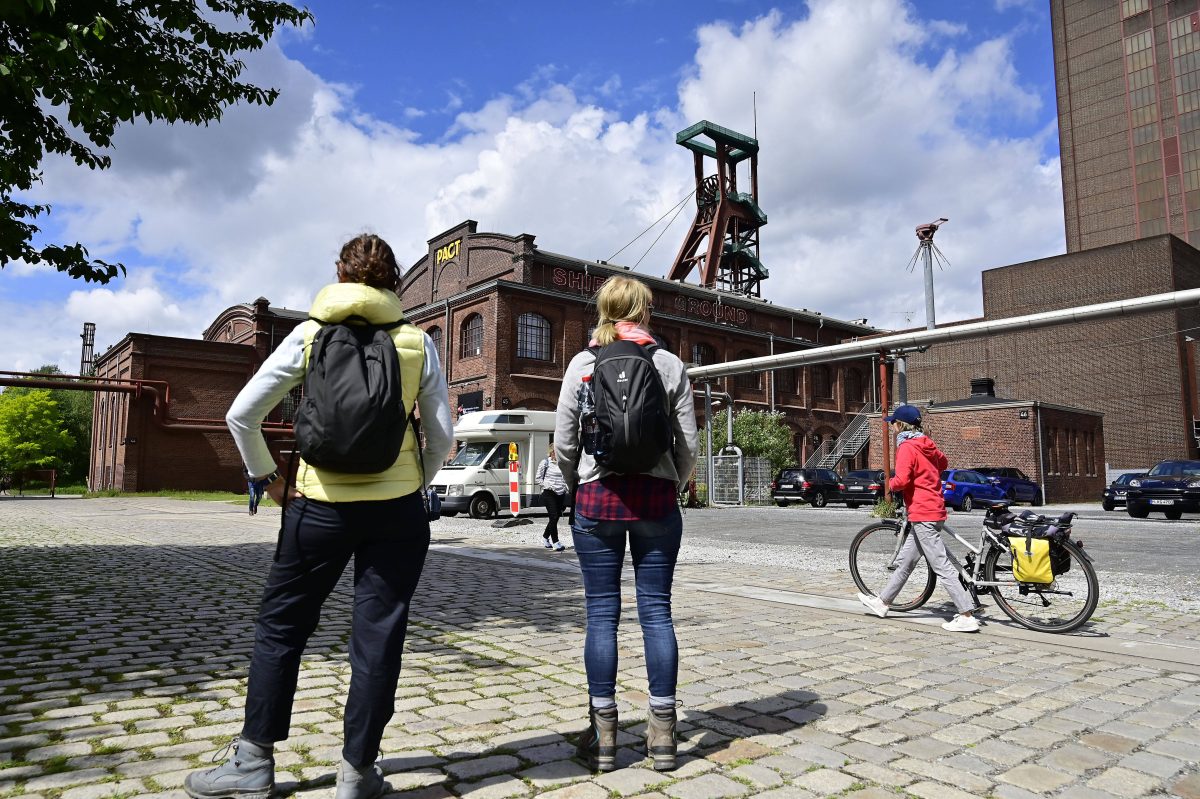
(988, 539)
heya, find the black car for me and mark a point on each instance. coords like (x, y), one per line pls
(817, 487)
(1172, 487)
(1114, 492)
(862, 487)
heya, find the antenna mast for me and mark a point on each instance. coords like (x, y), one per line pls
(927, 251)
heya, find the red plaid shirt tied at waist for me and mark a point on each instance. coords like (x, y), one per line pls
(626, 497)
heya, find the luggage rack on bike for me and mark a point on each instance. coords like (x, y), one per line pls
(999, 518)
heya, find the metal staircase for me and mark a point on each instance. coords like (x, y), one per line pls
(848, 444)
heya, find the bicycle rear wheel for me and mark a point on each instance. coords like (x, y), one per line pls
(873, 561)
(1060, 607)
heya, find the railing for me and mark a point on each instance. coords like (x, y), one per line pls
(819, 454)
(853, 438)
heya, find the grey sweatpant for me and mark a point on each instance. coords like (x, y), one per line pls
(929, 535)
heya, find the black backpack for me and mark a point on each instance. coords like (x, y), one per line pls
(352, 416)
(634, 428)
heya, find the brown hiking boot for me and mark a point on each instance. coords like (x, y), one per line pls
(660, 737)
(598, 743)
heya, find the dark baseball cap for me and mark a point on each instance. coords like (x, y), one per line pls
(909, 414)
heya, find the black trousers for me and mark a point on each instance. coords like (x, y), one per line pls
(554, 507)
(388, 540)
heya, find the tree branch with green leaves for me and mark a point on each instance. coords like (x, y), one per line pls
(72, 71)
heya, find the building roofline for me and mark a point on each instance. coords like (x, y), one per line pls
(997, 403)
(756, 303)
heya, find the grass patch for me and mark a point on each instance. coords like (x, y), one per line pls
(229, 497)
(44, 490)
(56, 765)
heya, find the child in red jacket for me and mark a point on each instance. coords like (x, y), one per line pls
(919, 467)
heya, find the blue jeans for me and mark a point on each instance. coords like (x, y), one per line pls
(600, 546)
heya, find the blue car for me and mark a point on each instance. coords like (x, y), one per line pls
(1017, 487)
(963, 489)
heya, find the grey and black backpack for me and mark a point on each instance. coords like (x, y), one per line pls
(634, 425)
(352, 416)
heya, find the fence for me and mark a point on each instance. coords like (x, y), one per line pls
(756, 479)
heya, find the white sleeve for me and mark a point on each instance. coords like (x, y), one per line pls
(282, 371)
(433, 403)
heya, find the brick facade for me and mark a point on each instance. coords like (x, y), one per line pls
(500, 278)
(1069, 464)
(131, 451)
(1134, 370)
(1127, 119)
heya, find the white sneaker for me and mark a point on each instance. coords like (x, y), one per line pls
(962, 624)
(558, 546)
(874, 604)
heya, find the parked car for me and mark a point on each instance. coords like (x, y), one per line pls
(817, 487)
(1114, 492)
(963, 489)
(1017, 486)
(862, 487)
(1172, 487)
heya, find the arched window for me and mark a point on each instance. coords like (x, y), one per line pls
(703, 355)
(822, 385)
(785, 381)
(472, 337)
(533, 337)
(751, 381)
(435, 335)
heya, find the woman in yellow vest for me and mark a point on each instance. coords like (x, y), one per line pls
(378, 519)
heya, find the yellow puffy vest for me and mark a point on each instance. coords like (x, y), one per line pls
(335, 303)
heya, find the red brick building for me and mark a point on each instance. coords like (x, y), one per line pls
(1138, 371)
(1060, 448)
(1128, 86)
(507, 317)
(160, 440)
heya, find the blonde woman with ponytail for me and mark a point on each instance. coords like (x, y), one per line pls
(611, 509)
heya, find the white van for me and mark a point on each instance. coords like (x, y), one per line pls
(476, 480)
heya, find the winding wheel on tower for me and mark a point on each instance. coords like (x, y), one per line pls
(723, 240)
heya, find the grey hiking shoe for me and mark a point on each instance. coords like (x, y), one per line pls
(249, 773)
(356, 783)
(660, 737)
(598, 743)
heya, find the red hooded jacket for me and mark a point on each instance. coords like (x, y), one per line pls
(919, 467)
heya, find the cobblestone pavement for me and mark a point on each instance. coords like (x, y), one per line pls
(126, 624)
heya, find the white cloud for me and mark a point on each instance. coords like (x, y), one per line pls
(860, 140)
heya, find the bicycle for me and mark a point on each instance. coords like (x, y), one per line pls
(1058, 607)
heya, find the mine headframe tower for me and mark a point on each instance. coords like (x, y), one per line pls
(723, 239)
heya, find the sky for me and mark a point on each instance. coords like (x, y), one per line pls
(558, 120)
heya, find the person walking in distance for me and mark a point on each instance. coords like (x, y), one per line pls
(376, 518)
(554, 497)
(626, 489)
(919, 467)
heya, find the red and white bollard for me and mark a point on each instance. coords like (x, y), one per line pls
(514, 487)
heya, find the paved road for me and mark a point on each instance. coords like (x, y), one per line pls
(1153, 547)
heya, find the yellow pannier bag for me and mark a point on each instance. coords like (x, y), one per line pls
(1031, 559)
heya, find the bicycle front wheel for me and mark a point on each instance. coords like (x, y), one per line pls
(873, 555)
(1060, 607)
